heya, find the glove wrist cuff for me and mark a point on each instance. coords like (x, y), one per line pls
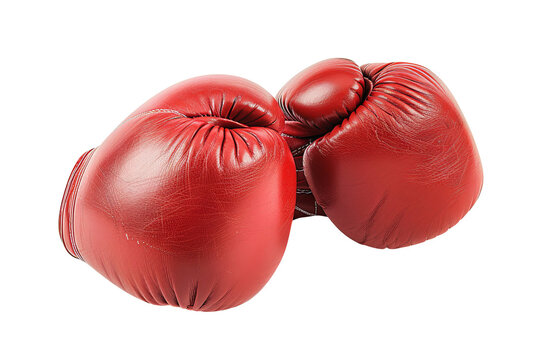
(306, 205)
(67, 208)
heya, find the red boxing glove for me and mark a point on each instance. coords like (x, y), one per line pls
(383, 150)
(189, 202)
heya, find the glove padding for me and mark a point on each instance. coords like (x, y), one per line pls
(189, 202)
(383, 150)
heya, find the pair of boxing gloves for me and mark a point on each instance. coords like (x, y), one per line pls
(189, 202)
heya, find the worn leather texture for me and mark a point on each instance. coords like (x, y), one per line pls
(189, 202)
(383, 150)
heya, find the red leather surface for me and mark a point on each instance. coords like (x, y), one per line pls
(390, 159)
(189, 202)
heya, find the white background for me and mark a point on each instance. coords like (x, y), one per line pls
(70, 73)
